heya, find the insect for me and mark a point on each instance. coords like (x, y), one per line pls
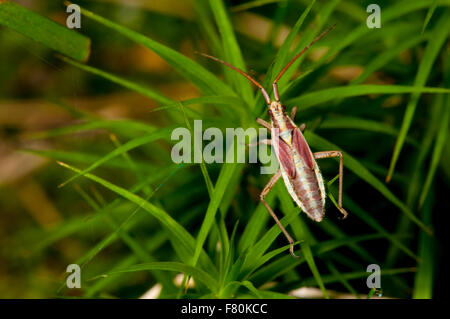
(298, 166)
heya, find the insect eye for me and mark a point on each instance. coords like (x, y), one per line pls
(283, 108)
(269, 112)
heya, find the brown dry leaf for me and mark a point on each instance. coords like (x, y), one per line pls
(143, 59)
(346, 73)
(15, 165)
(393, 101)
(38, 204)
(258, 27)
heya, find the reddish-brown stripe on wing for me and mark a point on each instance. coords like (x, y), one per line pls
(286, 159)
(302, 148)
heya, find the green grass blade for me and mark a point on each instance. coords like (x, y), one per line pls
(197, 273)
(335, 231)
(246, 284)
(113, 125)
(235, 102)
(79, 157)
(144, 90)
(73, 226)
(226, 174)
(424, 277)
(429, 15)
(45, 31)
(442, 136)
(320, 23)
(370, 220)
(183, 239)
(348, 122)
(358, 274)
(199, 76)
(255, 253)
(253, 4)
(148, 138)
(255, 224)
(317, 97)
(397, 10)
(232, 52)
(341, 278)
(286, 263)
(357, 168)
(386, 56)
(437, 39)
(301, 233)
(282, 57)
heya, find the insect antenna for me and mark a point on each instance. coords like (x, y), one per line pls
(275, 85)
(264, 92)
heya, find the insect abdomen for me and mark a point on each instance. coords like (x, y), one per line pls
(307, 188)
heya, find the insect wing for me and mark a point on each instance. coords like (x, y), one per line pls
(302, 148)
(284, 153)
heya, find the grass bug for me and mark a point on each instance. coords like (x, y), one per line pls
(298, 166)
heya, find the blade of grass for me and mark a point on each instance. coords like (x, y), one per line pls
(372, 222)
(152, 243)
(386, 56)
(138, 250)
(197, 273)
(86, 158)
(226, 174)
(390, 13)
(357, 168)
(317, 97)
(357, 274)
(429, 15)
(182, 237)
(113, 125)
(282, 56)
(437, 39)
(199, 76)
(320, 21)
(45, 31)
(231, 50)
(415, 182)
(423, 279)
(348, 122)
(255, 252)
(256, 223)
(253, 4)
(286, 263)
(144, 90)
(119, 231)
(148, 138)
(441, 138)
(341, 279)
(300, 232)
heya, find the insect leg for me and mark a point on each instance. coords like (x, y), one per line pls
(265, 141)
(264, 193)
(263, 123)
(293, 112)
(329, 154)
(302, 127)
